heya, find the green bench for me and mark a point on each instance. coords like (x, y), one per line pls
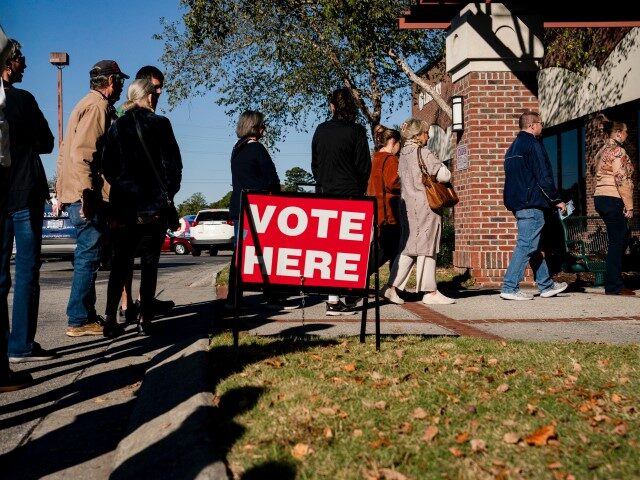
(585, 240)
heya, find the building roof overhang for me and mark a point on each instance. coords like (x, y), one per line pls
(431, 14)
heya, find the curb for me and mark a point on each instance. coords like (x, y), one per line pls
(169, 432)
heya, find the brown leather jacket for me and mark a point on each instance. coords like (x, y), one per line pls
(78, 168)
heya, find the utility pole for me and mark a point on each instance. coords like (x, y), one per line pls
(59, 60)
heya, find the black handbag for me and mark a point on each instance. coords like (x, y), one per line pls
(170, 212)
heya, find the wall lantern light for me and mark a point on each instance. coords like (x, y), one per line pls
(457, 111)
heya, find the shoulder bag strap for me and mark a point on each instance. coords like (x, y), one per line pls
(149, 159)
(384, 190)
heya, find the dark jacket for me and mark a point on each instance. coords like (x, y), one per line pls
(528, 180)
(340, 159)
(30, 136)
(134, 185)
(251, 169)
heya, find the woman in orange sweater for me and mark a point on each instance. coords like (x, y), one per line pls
(384, 184)
(613, 200)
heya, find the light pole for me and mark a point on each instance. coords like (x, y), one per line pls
(59, 60)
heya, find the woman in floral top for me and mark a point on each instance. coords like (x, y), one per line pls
(613, 199)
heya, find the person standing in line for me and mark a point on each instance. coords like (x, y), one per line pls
(9, 380)
(529, 190)
(156, 77)
(82, 191)
(141, 161)
(29, 136)
(251, 169)
(341, 164)
(384, 184)
(613, 200)
(421, 226)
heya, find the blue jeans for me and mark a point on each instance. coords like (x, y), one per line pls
(81, 308)
(530, 223)
(26, 226)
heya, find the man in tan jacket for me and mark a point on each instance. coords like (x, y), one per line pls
(83, 193)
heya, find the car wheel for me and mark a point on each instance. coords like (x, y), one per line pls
(180, 249)
(195, 252)
(213, 252)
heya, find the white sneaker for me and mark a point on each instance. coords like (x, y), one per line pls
(518, 295)
(392, 295)
(556, 289)
(437, 299)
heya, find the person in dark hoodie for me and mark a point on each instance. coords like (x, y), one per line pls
(341, 164)
(529, 190)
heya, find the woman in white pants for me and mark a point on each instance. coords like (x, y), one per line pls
(421, 226)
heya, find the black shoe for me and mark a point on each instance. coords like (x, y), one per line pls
(351, 302)
(338, 309)
(38, 354)
(129, 315)
(144, 328)
(12, 381)
(112, 329)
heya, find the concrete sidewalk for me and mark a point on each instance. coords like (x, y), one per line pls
(585, 315)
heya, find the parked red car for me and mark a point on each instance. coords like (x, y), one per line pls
(178, 244)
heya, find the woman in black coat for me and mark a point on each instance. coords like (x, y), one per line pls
(141, 162)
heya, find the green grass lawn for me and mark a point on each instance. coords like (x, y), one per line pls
(425, 408)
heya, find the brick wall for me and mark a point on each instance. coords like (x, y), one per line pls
(485, 230)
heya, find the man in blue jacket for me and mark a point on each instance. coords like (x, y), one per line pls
(529, 190)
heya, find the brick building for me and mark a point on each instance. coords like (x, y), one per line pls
(492, 61)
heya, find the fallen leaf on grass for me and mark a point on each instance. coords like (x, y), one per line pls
(357, 432)
(400, 353)
(430, 433)
(350, 367)
(621, 429)
(502, 388)
(577, 367)
(419, 414)
(383, 474)
(381, 405)
(326, 411)
(406, 427)
(462, 437)
(532, 409)
(615, 398)
(472, 369)
(380, 442)
(554, 466)
(492, 361)
(328, 433)
(541, 436)
(375, 376)
(456, 452)
(301, 450)
(511, 438)
(478, 445)
(274, 362)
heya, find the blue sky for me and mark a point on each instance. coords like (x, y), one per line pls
(90, 31)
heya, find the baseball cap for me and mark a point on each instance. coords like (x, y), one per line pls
(106, 68)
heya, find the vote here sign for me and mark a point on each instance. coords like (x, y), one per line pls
(324, 240)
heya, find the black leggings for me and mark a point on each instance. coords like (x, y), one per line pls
(611, 209)
(145, 240)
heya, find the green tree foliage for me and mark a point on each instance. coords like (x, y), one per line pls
(295, 176)
(283, 57)
(192, 205)
(223, 202)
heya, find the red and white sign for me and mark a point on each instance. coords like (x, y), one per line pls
(326, 241)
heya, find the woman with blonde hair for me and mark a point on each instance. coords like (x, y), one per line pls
(613, 200)
(421, 226)
(141, 161)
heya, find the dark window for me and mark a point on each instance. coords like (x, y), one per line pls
(212, 216)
